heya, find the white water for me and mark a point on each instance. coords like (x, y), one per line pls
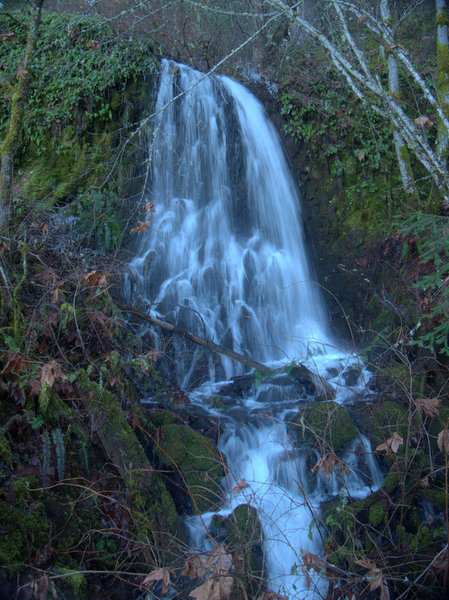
(225, 258)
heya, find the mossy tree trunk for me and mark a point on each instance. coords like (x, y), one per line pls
(18, 100)
(442, 21)
(402, 153)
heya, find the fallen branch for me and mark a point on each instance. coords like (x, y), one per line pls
(321, 385)
(195, 338)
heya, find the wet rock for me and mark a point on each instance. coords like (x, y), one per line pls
(351, 375)
(241, 531)
(241, 386)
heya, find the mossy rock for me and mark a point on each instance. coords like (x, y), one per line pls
(242, 533)
(22, 533)
(392, 417)
(195, 465)
(325, 424)
(155, 510)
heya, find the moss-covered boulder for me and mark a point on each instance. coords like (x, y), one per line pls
(325, 424)
(154, 509)
(194, 466)
(242, 532)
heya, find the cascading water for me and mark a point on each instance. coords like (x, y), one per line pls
(225, 259)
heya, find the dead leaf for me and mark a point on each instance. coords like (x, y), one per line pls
(443, 440)
(391, 445)
(366, 564)
(72, 31)
(362, 19)
(142, 226)
(215, 588)
(270, 595)
(22, 73)
(35, 387)
(162, 575)
(7, 37)
(94, 44)
(430, 406)
(195, 566)
(47, 276)
(423, 121)
(51, 372)
(15, 364)
(91, 279)
(219, 562)
(312, 561)
(328, 462)
(44, 228)
(3, 247)
(56, 293)
(149, 207)
(240, 486)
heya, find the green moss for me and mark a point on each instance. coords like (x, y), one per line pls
(325, 424)
(442, 18)
(73, 580)
(22, 532)
(193, 459)
(377, 515)
(244, 536)
(5, 451)
(24, 486)
(155, 509)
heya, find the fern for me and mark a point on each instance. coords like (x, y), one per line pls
(78, 430)
(58, 440)
(432, 232)
(44, 398)
(46, 451)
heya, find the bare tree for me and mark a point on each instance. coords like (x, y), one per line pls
(18, 99)
(351, 60)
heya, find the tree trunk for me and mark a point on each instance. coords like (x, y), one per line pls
(393, 86)
(442, 22)
(18, 100)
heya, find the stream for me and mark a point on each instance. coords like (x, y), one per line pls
(225, 258)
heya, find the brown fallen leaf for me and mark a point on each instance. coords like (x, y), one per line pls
(195, 566)
(7, 36)
(312, 561)
(219, 561)
(270, 595)
(443, 440)
(51, 372)
(423, 122)
(215, 588)
(391, 445)
(142, 226)
(430, 406)
(149, 207)
(362, 19)
(95, 278)
(22, 73)
(328, 462)
(162, 575)
(240, 486)
(15, 364)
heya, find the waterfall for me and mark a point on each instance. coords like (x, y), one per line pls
(225, 258)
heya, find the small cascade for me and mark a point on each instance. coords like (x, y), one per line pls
(225, 258)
